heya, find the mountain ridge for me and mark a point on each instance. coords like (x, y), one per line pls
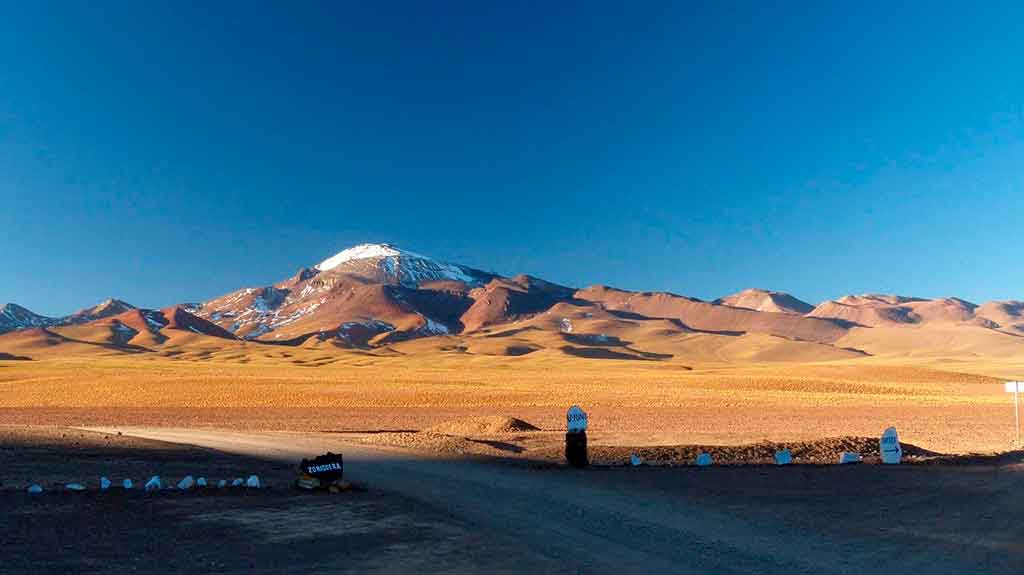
(374, 295)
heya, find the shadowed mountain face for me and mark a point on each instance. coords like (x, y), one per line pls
(377, 295)
(14, 317)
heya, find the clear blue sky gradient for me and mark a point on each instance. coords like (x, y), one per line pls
(173, 152)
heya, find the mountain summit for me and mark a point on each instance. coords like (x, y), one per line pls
(360, 252)
(385, 263)
(361, 293)
(766, 300)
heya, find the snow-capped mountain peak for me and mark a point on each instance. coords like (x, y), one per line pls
(388, 264)
(362, 252)
(361, 288)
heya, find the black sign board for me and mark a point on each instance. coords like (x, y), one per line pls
(329, 466)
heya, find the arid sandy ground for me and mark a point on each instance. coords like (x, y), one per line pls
(938, 405)
(435, 508)
(431, 506)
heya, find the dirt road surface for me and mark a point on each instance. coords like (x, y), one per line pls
(805, 519)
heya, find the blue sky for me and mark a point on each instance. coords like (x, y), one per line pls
(172, 152)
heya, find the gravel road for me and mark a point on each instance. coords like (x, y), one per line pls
(656, 521)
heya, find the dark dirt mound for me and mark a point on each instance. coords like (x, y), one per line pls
(823, 451)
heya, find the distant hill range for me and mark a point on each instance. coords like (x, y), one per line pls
(378, 297)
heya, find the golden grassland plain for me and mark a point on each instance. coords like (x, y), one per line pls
(945, 405)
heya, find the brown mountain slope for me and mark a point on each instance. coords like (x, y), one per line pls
(359, 314)
(765, 300)
(586, 329)
(178, 318)
(887, 310)
(865, 315)
(1004, 315)
(146, 328)
(503, 299)
(69, 341)
(936, 340)
(377, 299)
(355, 296)
(705, 316)
(106, 308)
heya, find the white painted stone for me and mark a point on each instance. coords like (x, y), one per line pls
(253, 482)
(635, 460)
(783, 457)
(889, 447)
(35, 489)
(127, 484)
(849, 457)
(187, 482)
(104, 484)
(576, 419)
(704, 459)
(154, 484)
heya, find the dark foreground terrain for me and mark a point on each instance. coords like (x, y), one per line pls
(426, 514)
(271, 530)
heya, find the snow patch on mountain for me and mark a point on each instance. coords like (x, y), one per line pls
(432, 327)
(155, 320)
(397, 266)
(362, 252)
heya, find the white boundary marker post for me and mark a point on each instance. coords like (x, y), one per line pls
(889, 447)
(1015, 387)
(576, 419)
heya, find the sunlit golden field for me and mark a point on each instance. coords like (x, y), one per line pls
(949, 406)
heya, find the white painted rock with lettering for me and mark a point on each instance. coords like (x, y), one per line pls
(237, 482)
(889, 447)
(127, 484)
(187, 482)
(704, 459)
(153, 484)
(783, 457)
(253, 482)
(104, 484)
(576, 419)
(201, 482)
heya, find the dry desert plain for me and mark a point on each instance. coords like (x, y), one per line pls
(455, 484)
(943, 404)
